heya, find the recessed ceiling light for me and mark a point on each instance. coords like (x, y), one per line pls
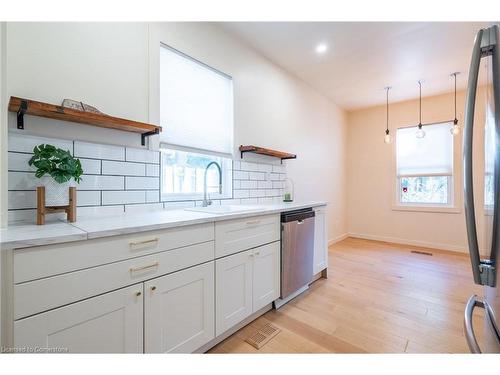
(321, 48)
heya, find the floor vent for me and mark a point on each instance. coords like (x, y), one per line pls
(421, 252)
(263, 336)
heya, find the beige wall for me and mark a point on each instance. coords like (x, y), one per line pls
(115, 68)
(371, 176)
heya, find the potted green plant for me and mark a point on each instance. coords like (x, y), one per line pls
(58, 170)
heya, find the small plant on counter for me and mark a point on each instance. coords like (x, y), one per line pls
(57, 170)
(57, 163)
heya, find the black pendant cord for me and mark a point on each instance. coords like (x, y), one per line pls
(387, 110)
(455, 121)
(420, 101)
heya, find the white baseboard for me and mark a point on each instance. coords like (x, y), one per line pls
(404, 241)
(331, 241)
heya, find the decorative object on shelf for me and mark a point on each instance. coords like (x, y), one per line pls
(420, 132)
(266, 151)
(31, 107)
(57, 170)
(456, 128)
(387, 137)
(79, 106)
(288, 190)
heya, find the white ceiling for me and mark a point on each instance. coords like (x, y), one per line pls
(364, 57)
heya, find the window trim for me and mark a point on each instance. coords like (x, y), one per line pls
(227, 181)
(455, 192)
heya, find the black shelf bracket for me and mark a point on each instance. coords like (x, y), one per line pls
(20, 114)
(291, 157)
(148, 134)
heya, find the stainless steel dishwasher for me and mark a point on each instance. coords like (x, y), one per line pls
(297, 251)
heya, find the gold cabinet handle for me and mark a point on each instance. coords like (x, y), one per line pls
(136, 269)
(153, 288)
(138, 294)
(143, 243)
(253, 222)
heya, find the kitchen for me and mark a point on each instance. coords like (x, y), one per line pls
(200, 187)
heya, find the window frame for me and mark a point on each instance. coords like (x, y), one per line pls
(455, 194)
(227, 179)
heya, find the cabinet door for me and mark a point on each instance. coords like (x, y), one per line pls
(179, 310)
(266, 275)
(109, 323)
(233, 290)
(320, 241)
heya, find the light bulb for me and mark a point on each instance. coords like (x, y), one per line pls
(387, 138)
(455, 129)
(420, 133)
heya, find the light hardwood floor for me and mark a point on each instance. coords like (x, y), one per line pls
(379, 298)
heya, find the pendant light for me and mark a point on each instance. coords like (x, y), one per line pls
(420, 132)
(456, 128)
(387, 137)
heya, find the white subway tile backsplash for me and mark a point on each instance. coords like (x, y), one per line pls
(88, 198)
(21, 199)
(152, 170)
(265, 184)
(23, 181)
(120, 179)
(123, 168)
(240, 175)
(256, 176)
(144, 156)
(25, 143)
(241, 194)
(91, 166)
(152, 196)
(29, 216)
(123, 197)
(141, 183)
(98, 151)
(19, 162)
(93, 182)
(248, 184)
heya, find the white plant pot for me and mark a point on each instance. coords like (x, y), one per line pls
(56, 194)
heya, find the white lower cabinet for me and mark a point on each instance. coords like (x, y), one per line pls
(245, 282)
(266, 275)
(233, 290)
(109, 323)
(320, 261)
(179, 310)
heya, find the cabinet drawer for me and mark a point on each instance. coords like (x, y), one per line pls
(233, 236)
(44, 261)
(44, 294)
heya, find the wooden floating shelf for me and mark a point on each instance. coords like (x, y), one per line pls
(266, 151)
(31, 107)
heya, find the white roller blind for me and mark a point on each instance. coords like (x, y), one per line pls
(430, 155)
(196, 104)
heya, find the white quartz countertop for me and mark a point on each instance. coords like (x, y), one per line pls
(28, 235)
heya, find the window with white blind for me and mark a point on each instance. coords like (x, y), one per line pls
(425, 173)
(196, 110)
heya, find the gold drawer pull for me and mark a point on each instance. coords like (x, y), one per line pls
(253, 222)
(136, 269)
(146, 242)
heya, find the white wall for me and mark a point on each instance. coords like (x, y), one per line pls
(114, 67)
(371, 176)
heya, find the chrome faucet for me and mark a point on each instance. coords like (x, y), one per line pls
(208, 202)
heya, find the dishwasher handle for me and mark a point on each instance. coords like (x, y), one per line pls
(299, 216)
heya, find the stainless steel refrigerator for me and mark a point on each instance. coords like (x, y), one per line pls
(482, 202)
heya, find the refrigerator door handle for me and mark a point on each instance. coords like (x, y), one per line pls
(483, 271)
(472, 303)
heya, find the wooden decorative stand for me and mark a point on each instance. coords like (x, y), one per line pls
(42, 210)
